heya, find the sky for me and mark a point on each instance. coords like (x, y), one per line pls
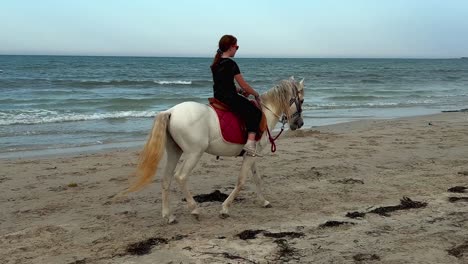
(264, 28)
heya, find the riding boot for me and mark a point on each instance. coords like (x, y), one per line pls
(250, 149)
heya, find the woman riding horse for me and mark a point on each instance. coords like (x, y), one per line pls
(225, 71)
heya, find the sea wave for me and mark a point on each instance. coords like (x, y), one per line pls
(370, 105)
(42, 116)
(354, 98)
(86, 83)
(114, 83)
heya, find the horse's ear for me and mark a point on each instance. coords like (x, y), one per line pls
(291, 78)
(301, 83)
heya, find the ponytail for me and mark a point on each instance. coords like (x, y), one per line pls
(225, 43)
(216, 59)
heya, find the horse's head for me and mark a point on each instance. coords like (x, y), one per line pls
(295, 120)
(286, 99)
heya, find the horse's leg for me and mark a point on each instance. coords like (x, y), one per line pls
(245, 169)
(173, 155)
(258, 182)
(190, 160)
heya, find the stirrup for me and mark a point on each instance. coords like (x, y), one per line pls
(251, 151)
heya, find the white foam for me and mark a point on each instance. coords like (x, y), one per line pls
(174, 82)
(45, 116)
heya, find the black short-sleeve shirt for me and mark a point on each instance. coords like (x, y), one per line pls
(223, 78)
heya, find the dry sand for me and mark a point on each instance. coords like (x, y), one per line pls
(61, 209)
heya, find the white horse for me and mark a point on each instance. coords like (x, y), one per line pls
(191, 128)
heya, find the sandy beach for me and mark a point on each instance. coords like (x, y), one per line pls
(372, 191)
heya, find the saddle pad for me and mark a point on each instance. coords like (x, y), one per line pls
(232, 127)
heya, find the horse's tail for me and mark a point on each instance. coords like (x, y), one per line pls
(152, 152)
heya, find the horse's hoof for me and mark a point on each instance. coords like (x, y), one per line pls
(223, 215)
(196, 213)
(196, 216)
(267, 204)
(172, 221)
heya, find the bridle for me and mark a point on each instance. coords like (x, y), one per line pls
(284, 118)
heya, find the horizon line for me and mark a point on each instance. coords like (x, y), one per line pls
(240, 57)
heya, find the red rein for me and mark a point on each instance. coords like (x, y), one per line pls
(272, 140)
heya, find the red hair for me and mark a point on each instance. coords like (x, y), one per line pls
(224, 44)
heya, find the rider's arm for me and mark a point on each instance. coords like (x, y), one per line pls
(242, 83)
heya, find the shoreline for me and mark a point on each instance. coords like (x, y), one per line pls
(136, 144)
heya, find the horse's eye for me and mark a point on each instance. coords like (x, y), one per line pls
(302, 101)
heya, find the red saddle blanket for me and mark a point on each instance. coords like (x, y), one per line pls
(232, 126)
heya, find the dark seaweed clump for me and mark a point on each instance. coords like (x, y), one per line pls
(405, 204)
(144, 247)
(355, 215)
(455, 199)
(252, 234)
(459, 251)
(334, 224)
(458, 189)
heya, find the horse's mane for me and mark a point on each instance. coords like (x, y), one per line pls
(280, 95)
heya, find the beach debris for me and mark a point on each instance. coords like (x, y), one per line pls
(179, 237)
(72, 185)
(284, 234)
(355, 215)
(252, 234)
(405, 204)
(458, 189)
(249, 234)
(455, 199)
(430, 123)
(349, 181)
(334, 224)
(464, 173)
(144, 247)
(57, 189)
(215, 196)
(365, 257)
(79, 261)
(459, 251)
(229, 256)
(285, 251)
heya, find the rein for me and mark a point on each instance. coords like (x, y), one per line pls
(283, 122)
(272, 140)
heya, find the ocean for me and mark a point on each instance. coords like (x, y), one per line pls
(54, 104)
